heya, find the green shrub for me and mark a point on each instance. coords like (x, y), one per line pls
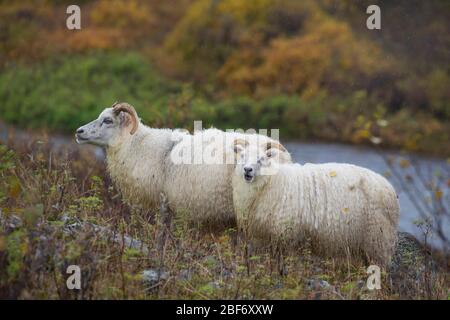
(61, 94)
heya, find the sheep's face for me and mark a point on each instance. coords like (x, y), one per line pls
(253, 162)
(105, 131)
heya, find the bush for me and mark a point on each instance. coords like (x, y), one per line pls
(63, 93)
(66, 92)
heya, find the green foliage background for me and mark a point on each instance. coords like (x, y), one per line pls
(310, 68)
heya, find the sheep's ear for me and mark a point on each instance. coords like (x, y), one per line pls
(239, 145)
(238, 148)
(124, 119)
(125, 108)
(275, 145)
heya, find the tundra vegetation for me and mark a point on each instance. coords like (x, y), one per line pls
(51, 203)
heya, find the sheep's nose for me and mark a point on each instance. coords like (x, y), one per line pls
(248, 169)
(79, 131)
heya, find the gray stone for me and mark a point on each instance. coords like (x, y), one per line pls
(152, 277)
(412, 267)
(317, 284)
(215, 284)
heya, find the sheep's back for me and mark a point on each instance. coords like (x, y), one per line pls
(203, 191)
(333, 205)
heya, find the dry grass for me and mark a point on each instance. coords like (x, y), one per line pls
(42, 193)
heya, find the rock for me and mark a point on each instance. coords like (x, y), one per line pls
(361, 284)
(226, 273)
(317, 284)
(215, 284)
(73, 225)
(11, 222)
(152, 277)
(323, 284)
(317, 270)
(278, 285)
(411, 267)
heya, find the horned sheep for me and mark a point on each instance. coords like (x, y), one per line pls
(341, 210)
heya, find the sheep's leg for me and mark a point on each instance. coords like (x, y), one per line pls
(247, 253)
(380, 238)
(280, 259)
(164, 226)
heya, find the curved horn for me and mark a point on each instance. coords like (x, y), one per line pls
(275, 145)
(125, 107)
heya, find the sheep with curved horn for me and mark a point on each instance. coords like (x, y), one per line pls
(140, 161)
(340, 208)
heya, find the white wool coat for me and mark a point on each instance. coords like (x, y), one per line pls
(341, 208)
(142, 167)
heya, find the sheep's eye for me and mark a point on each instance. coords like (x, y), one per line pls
(107, 120)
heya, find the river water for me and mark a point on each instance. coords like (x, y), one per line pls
(403, 173)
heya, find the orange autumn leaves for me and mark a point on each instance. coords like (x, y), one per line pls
(275, 47)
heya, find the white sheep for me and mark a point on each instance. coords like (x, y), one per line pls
(344, 210)
(144, 162)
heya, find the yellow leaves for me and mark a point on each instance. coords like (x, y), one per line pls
(92, 38)
(361, 134)
(404, 163)
(345, 210)
(332, 174)
(14, 187)
(363, 128)
(246, 11)
(224, 239)
(412, 142)
(23, 247)
(121, 14)
(250, 59)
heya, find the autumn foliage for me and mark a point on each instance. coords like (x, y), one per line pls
(260, 56)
